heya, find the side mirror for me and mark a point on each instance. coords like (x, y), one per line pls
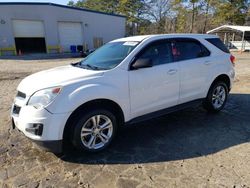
(142, 63)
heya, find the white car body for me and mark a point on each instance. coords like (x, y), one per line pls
(137, 92)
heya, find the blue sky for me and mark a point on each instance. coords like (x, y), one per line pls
(63, 2)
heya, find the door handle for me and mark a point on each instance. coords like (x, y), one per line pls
(207, 62)
(172, 71)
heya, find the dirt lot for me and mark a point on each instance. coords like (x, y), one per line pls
(189, 148)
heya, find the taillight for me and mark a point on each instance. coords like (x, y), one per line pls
(232, 59)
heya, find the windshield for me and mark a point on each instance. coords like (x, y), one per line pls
(108, 56)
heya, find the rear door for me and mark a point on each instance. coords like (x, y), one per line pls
(194, 61)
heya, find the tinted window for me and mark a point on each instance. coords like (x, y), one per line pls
(219, 44)
(188, 49)
(159, 52)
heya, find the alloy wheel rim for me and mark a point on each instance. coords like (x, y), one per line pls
(218, 97)
(96, 131)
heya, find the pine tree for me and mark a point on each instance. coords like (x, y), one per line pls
(231, 11)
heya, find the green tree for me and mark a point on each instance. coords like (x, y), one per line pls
(132, 9)
(206, 4)
(71, 3)
(231, 11)
(191, 6)
(194, 9)
(181, 17)
(163, 16)
(207, 9)
(158, 12)
(109, 6)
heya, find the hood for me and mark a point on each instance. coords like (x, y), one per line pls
(58, 76)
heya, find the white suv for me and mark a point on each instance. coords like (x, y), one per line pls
(126, 81)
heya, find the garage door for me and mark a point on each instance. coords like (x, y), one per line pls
(29, 36)
(70, 33)
(27, 28)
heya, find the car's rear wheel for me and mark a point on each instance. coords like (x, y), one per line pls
(94, 131)
(217, 97)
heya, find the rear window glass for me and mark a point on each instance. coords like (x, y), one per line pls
(219, 44)
(188, 49)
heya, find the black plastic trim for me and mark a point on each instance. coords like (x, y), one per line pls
(21, 94)
(164, 111)
(37, 130)
(54, 146)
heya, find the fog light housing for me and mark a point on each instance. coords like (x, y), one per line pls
(36, 129)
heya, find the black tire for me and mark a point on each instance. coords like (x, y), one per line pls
(208, 102)
(81, 120)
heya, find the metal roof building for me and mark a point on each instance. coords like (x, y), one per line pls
(50, 28)
(235, 37)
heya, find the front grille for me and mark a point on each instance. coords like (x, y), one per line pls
(21, 94)
(16, 109)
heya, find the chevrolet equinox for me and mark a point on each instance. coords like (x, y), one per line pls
(125, 81)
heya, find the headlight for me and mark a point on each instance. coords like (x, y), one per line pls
(44, 97)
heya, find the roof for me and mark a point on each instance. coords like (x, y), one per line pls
(140, 38)
(225, 28)
(58, 5)
(133, 38)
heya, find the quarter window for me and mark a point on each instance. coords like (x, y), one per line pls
(159, 52)
(219, 44)
(188, 49)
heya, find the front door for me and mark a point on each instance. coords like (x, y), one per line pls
(156, 87)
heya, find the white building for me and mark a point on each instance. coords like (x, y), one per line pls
(49, 28)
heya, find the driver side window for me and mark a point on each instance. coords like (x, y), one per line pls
(159, 52)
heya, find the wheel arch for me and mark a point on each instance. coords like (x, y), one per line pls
(222, 77)
(96, 103)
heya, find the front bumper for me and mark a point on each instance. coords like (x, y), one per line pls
(41, 126)
(55, 146)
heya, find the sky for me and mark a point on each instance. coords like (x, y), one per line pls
(63, 2)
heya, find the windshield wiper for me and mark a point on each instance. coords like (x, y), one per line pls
(86, 66)
(92, 67)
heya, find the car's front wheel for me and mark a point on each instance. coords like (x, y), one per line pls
(94, 131)
(217, 97)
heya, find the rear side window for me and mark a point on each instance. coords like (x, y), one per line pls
(219, 44)
(188, 49)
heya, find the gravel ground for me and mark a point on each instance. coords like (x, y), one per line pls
(189, 148)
